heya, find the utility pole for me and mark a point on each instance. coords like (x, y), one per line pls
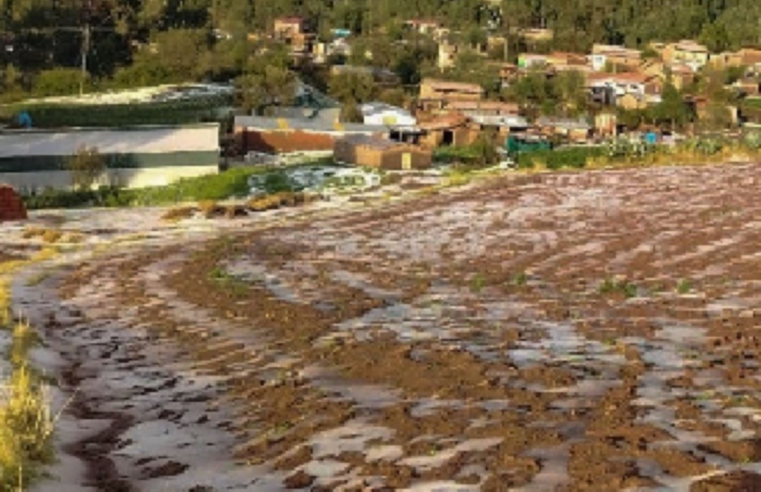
(85, 49)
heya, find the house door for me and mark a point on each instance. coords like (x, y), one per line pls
(406, 161)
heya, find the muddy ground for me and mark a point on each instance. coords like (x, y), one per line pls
(580, 331)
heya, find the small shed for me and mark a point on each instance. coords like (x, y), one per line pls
(367, 151)
(11, 205)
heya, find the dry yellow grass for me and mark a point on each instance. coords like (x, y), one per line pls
(208, 208)
(26, 425)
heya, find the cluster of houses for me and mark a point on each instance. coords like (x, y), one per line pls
(446, 114)
(453, 113)
(624, 77)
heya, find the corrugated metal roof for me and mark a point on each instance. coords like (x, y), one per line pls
(568, 123)
(509, 121)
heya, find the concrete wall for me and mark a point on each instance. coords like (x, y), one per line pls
(197, 138)
(136, 156)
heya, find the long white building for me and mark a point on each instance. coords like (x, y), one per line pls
(136, 156)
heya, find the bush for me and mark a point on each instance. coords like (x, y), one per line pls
(51, 198)
(752, 140)
(58, 82)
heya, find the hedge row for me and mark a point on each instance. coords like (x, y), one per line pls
(161, 113)
(571, 157)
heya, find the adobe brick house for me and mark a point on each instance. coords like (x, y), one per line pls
(367, 151)
(286, 28)
(687, 52)
(435, 94)
(11, 206)
(454, 130)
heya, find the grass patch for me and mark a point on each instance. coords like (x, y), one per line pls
(233, 183)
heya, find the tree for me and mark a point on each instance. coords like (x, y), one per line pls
(671, 111)
(485, 149)
(352, 87)
(569, 88)
(717, 116)
(394, 97)
(272, 86)
(267, 80)
(87, 166)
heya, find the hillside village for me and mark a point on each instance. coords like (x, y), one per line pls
(325, 93)
(672, 88)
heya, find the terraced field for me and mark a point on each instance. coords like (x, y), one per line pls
(585, 331)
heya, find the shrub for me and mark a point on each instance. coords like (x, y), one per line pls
(58, 82)
(87, 165)
(51, 236)
(753, 140)
(178, 213)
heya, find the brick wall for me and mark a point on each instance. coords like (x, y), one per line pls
(282, 141)
(11, 205)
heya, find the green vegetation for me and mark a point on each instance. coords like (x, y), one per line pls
(613, 286)
(683, 287)
(520, 278)
(481, 153)
(568, 157)
(49, 115)
(477, 283)
(230, 283)
(227, 184)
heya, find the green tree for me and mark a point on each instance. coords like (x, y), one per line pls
(671, 111)
(350, 87)
(267, 80)
(569, 88)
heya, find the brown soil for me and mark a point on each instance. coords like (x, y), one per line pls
(567, 323)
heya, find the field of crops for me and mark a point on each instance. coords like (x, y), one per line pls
(561, 331)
